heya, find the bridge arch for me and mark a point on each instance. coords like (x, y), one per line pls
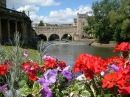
(42, 37)
(66, 36)
(54, 37)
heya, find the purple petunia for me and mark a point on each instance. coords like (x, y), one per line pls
(46, 92)
(111, 68)
(8, 93)
(50, 76)
(45, 57)
(66, 73)
(41, 81)
(3, 87)
(25, 53)
(115, 68)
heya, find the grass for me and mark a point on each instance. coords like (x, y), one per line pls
(31, 50)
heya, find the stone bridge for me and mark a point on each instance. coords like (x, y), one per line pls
(56, 32)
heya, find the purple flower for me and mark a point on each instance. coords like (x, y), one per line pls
(46, 92)
(66, 73)
(50, 76)
(116, 68)
(113, 67)
(3, 87)
(43, 82)
(25, 53)
(46, 57)
(8, 93)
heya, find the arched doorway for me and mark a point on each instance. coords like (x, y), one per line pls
(54, 37)
(41, 37)
(66, 37)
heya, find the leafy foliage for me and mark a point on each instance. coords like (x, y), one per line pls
(41, 23)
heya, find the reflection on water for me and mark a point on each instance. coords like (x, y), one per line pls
(69, 52)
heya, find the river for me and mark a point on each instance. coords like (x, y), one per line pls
(69, 51)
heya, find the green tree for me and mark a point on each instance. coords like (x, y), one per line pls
(41, 23)
(100, 21)
(120, 21)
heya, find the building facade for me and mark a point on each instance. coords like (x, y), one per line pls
(81, 22)
(74, 29)
(12, 21)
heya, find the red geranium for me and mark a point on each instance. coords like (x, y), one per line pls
(118, 61)
(50, 63)
(111, 80)
(89, 64)
(28, 65)
(62, 64)
(123, 47)
(32, 74)
(30, 68)
(3, 69)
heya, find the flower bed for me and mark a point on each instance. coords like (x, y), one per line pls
(91, 76)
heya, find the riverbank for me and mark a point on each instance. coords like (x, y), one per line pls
(103, 45)
(94, 43)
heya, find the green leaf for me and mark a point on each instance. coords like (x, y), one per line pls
(36, 88)
(22, 83)
(107, 95)
(76, 88)
(85, 93)
(25, 91)
(64, 91)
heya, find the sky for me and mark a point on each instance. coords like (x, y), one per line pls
(52, 11)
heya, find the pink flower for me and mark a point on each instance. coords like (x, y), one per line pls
(25, 53)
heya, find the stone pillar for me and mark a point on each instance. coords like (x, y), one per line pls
(25, 32)
(0, 31)
(16, 29)
(8, 26)
(22, 30)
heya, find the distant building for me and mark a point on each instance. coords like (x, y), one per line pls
(81, 22)
(12, 21)
(75, 28)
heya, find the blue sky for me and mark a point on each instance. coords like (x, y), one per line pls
(52, 11)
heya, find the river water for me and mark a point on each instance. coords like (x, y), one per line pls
(71, 50)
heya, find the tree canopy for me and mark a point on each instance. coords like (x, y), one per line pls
(41, 23)
(110, 20)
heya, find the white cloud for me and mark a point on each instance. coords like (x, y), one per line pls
(32, 2)
(56, 16)
(31, 8)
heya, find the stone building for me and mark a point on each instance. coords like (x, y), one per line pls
(12, 21)
(81, 22)
(75, 29)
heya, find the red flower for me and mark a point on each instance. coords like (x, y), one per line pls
(88, 74)
(120, 62)
(111, 80)
(123, 47)
(29, 65)
(62, 64)
(25, 66)
(89, 64)
(3, 69)
(50, 63)
(124, 90)
(30, 69)
(32, 75)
